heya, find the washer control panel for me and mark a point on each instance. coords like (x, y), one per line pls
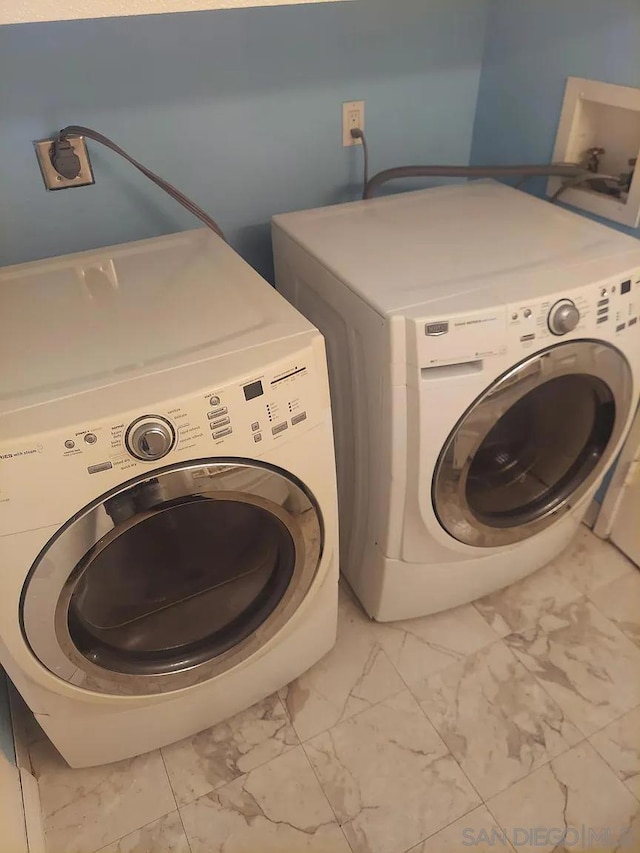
(563, 317)
(604, 310)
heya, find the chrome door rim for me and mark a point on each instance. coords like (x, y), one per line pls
(450, 477)
(59, 566)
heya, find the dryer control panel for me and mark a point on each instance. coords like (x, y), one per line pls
(248, 417)
(242, 418)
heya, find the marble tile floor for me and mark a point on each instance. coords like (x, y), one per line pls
(509, 724)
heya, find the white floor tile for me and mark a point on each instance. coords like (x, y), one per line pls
(584, 661)
(498, 722)
(574, 803)
(389, 777)
(212, 758)
(353, 676)
(277, 808)
(419, 647)
(84, 810)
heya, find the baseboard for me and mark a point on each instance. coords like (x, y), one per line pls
(592, 514)
(32, 812)
(30, 794)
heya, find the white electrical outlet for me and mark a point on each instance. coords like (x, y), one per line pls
(352, 117)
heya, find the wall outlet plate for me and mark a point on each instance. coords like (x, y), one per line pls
(352, 117)
(54, 181)
(600, 115)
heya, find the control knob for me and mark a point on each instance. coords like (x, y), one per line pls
(150, 438)
(563, 317)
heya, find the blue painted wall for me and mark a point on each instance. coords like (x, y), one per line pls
(532, 46)
(241, 109)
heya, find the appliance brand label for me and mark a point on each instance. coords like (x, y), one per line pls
(435, 329)
(19, 453)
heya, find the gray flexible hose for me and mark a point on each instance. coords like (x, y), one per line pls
(174, 192)
(561, 170)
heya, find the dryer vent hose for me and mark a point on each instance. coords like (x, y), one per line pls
(571, 172)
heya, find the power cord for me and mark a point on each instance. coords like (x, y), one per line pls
(356, 133)
(65, 161)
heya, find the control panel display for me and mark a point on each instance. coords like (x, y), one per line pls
(253, 390)
(625, 287)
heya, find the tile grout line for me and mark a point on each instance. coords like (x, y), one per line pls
(606, 615)
(503, 828)
(446, 826)
(138, 829)
(449, 753)
(353, 716)
(324, 794)
(600, 755)
(484, 618)
(175, 800)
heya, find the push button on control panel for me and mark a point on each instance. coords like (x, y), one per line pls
(255, 426)
(297, 419)
(102, 466)
(217, 412)
(214, 401)
(222, 432)
(220, 422)
(90, 438)
(69, 444)
(279, 428)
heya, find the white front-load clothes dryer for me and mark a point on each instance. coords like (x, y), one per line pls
(168, 515)
(484, 359)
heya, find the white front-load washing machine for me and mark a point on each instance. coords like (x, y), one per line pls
(168, 517)
(484, 359)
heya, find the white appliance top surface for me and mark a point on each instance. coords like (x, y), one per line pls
(96, 318)
(417, 248)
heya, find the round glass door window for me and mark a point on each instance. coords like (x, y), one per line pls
(195, 567)
(532, 444)
(180, 586)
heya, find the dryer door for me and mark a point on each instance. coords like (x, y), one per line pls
(174, 578)
(532, 445)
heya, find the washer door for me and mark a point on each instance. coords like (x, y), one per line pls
(173, 579)
(532, 444)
